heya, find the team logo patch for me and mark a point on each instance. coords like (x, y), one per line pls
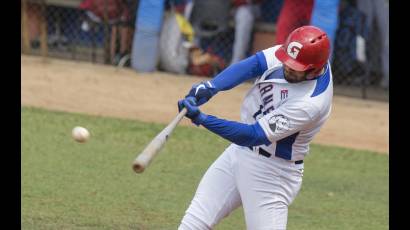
(279, 122)
(293, 49)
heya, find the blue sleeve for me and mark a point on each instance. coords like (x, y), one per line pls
(237, 73)
(238, 133)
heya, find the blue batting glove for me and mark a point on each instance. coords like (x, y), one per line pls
(181, 103)
(193, 112)
(202, 92)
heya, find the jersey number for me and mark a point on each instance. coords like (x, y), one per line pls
(257, 114)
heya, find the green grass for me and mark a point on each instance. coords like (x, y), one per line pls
(67, 185)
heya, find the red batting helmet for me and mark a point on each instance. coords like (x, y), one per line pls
(307, 47)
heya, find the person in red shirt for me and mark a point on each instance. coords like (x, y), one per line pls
(120, 15)
(294, 13)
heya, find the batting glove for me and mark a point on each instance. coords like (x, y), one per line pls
(202, 92)
(193, 112)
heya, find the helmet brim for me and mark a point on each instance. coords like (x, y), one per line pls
(288, 61)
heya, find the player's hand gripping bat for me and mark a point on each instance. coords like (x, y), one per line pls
(153, 148)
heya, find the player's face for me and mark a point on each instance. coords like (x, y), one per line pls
(294, 76)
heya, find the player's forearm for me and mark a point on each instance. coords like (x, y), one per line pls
(236, 132)
(237, 73)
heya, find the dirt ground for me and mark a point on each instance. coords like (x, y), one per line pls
(108, 91)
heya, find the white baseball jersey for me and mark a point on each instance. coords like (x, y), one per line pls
(290, 114)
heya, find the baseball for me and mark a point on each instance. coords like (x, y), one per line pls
(80, 134)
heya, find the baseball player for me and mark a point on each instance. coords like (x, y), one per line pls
(263, 167)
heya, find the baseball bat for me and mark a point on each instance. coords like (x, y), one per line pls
(143, 160)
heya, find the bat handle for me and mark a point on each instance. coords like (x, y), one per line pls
(181, 114)
(153, 148)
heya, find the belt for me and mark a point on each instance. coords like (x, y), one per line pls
(268, 155)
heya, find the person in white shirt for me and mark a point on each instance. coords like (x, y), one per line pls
(262, 169)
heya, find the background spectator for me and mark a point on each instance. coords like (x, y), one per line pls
(351, 27)
(245, 12)
(173, 48)
(377, 12)
(178, 54)
(294, 13)
(121, 19)
(208, 18)
(325, 16)
(211, 20)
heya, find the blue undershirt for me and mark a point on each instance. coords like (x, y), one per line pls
(237, 73)
(236, 132)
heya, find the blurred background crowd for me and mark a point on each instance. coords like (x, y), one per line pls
(201, 38)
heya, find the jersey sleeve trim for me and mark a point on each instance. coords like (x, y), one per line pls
(322, 83)
(262, 61)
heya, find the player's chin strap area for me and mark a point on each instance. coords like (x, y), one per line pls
(265, 153)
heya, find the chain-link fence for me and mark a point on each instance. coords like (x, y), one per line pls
(98, 30)
(103, 31)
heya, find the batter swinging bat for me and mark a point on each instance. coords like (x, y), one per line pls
(153, 148)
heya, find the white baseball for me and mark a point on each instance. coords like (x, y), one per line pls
(80, 134)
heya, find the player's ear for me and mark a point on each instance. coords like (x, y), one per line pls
(311, 74)
(310, 77)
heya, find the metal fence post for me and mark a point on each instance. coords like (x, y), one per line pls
(43, 30)
(25, 27)
(106, 35)
(93, 41)
(363, 84)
